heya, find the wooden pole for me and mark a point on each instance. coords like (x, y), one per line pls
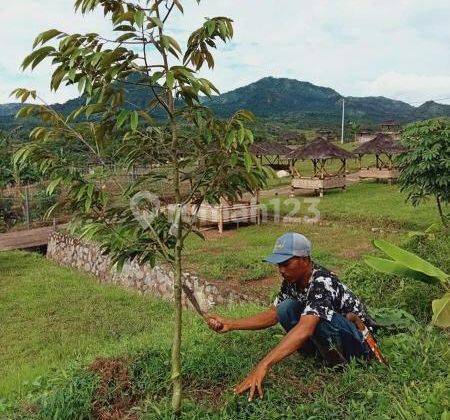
(258, 209)
(220, 217)
(27, 208)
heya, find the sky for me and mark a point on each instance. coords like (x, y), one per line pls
(398, 49)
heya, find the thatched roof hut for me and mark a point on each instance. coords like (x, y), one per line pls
(390, 125)
(273, 155)
(320, 148)
(266, 148)
(381, 144)
(384, 147)
(320, 151)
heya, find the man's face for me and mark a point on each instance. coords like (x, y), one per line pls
(294, 269)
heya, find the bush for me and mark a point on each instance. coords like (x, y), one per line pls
(40, 202)
(8, 214)
(435, 248)
(381, 290)
(68, 398)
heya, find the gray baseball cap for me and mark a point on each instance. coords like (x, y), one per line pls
(289, 245)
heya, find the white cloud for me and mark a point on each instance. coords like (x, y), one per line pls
(356, 47)
(410, 87)
(27, 18)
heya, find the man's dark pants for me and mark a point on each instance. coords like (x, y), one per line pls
(337, 340)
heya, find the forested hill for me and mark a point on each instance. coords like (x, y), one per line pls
(272, 97)
(286, 98)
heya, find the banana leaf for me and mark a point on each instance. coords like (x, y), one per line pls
(410, 260)
(398, 269)
(393, 318)
(441, 311)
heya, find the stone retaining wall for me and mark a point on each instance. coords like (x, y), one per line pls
(157, 281)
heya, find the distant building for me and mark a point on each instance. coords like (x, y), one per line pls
(365, 135)
(326, 134)
(392, 128)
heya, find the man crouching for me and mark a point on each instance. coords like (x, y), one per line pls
(314, 309)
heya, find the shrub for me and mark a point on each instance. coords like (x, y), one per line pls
(381, 290)
(68, 398)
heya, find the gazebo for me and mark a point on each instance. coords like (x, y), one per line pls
(390, 126)
(364, 135)
(326, 134)
(272, 154)
(320, 152)
(243, 211)
(384, 147)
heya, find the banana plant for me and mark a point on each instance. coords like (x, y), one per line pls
(406, 264)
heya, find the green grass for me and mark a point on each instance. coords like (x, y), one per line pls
(57, 321)
(238, 253)
(52, 316)
(369, 203)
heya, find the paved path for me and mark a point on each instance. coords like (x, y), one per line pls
(24, 239)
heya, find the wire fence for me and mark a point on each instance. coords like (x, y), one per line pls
(25, 207)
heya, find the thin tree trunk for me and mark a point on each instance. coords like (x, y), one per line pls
(441, 213)
(176, 343)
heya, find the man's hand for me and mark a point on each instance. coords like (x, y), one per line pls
(253, 382)
(218, 323)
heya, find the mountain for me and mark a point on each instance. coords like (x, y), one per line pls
(378, 108)
(431, 109)
(9, 109)
(280, 97)
(270, 97)
(287, 98)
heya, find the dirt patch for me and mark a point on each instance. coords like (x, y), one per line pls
(298, 387)
(258, 290)
(210, 396)
(229, 230)
(114, 397)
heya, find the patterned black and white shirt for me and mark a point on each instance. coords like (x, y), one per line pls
(324, 295)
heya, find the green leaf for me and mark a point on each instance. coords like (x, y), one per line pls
(441, 311)
(46, 36)
(81, 84)
(170, 80)
(134, 120)
(53, 184)
(37, 55)
(157, 21)
(396, 268)
(123, 115)
(229, 139)
(57, 77)
(87, 204)
(410, 260)
(248, 161)
(167, 41)
(139, 17)
(393, 318)
(125, 37)
(179, 6)
(210, 26)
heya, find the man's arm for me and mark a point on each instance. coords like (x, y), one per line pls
(259, 321)
(291, 342)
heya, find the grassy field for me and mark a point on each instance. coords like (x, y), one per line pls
(365, 203)
(51, 316)
(349, 222)
(74, 348)
(55, 322)
(238, 253)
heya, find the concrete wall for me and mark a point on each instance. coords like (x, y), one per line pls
(157, 281)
